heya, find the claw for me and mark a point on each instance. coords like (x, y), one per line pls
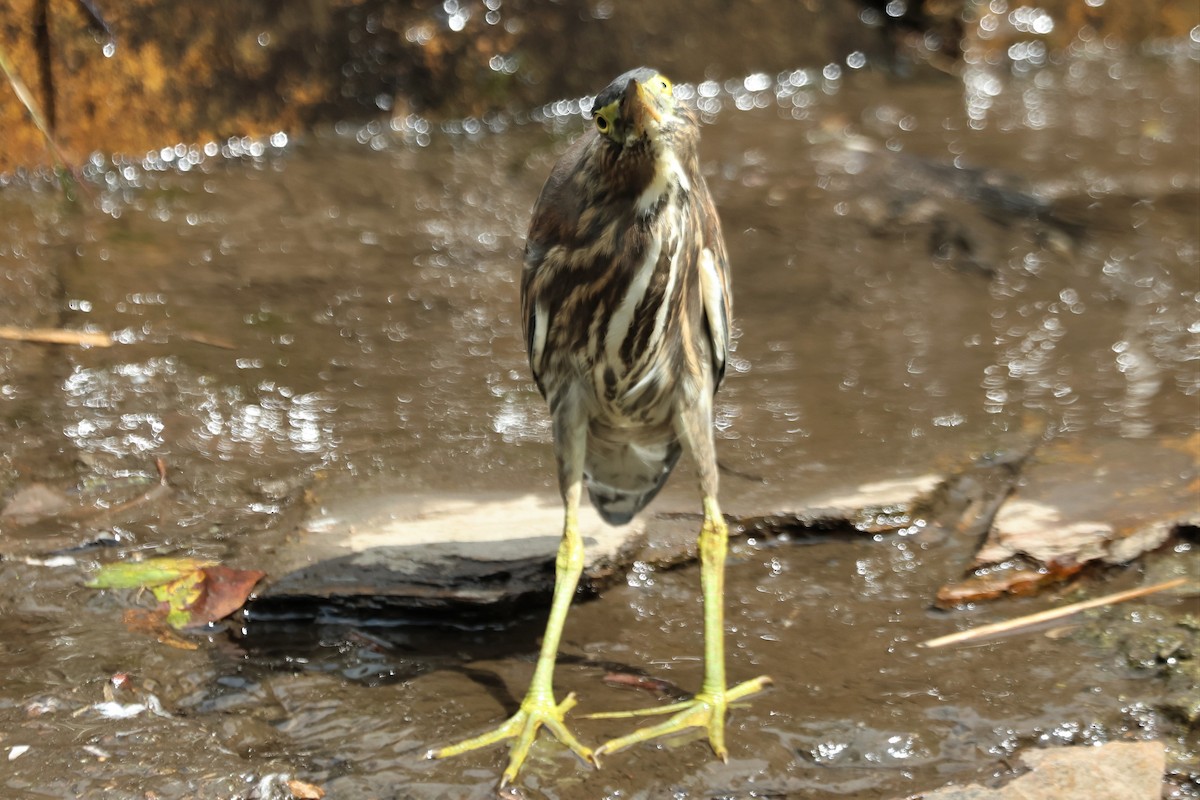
(535, 712)
(705, 710)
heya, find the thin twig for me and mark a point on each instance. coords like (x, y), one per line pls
(31, 104)
(54, 336)
(208, 339)
(39, 121)
(161, 489)
(1050, 614)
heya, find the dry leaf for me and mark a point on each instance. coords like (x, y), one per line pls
(304, 791)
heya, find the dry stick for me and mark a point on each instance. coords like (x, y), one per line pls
(63, 336)
(1050, 614)
(31, 105)
(54, 336)
(39, 121)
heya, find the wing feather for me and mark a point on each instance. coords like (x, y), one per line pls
(715, 290)
(554, 222)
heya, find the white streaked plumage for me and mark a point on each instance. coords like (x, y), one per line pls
(540, 325)
(622, 318)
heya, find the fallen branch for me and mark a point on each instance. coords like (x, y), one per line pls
(55, 336)
(1048, 615)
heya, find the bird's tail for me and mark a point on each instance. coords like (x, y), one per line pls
(622, 477)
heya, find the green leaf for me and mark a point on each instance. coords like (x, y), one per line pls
(180, 597)
(146, 574)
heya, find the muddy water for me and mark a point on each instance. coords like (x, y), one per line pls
(923, 271)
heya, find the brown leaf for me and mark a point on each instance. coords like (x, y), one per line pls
(154, 622)
(644, 682)
(1014, 577)
(225, 591)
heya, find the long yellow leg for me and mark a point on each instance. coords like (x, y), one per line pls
(707, 709)
(539, 707)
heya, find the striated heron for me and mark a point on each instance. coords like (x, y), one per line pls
(625, 300)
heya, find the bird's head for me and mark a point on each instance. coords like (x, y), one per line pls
(636, 107)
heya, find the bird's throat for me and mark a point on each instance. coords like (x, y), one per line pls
(668, 176)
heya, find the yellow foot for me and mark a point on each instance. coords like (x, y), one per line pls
(705, 710)
(523, 726)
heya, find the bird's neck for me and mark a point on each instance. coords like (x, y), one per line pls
(668, 176)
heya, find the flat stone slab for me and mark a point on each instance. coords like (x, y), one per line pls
(444, 551)
(1112, 771)
(1077, 501)
(434, 551)
(872, 506)
(1081, 501)
(1108, 500)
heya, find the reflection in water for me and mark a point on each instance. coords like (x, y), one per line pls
(302, 422)
(120, 410)
(97, 393)
(517, 420)
(1144, 381)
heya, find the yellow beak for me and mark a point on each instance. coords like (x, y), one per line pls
(641, 108)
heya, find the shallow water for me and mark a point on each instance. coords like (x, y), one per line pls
(923, 270)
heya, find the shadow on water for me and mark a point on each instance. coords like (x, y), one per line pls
(924, 270)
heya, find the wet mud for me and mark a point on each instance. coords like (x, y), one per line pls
(928, 273)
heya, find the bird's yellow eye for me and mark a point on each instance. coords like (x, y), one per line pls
(606, 119)
(664, 85)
